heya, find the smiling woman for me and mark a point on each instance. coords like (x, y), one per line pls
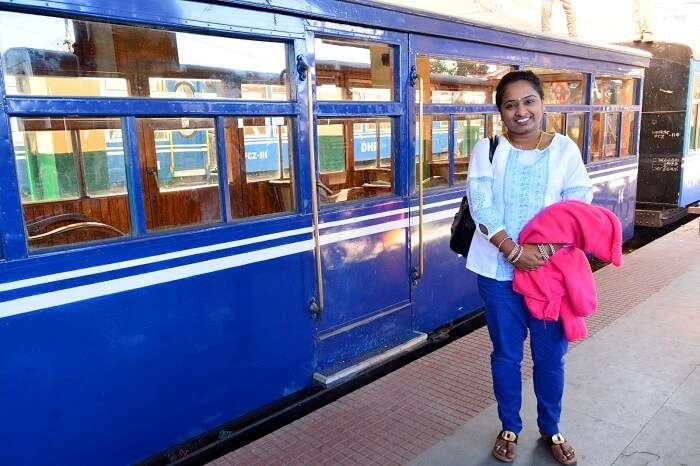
(504, 194)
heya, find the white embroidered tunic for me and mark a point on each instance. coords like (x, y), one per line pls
(509, 192)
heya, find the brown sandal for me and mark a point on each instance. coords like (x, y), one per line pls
(505, 444)
(561, 450)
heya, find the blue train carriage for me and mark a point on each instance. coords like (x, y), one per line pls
(167, 273)
(669, 164)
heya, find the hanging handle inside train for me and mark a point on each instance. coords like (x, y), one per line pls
(315, 307)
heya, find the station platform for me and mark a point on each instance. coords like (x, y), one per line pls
(632, 395)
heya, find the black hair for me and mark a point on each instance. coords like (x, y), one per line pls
(513, 76)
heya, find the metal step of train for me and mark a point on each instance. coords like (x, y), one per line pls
(331, 379)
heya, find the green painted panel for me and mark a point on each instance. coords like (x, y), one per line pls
(96, 172)
(331, 153)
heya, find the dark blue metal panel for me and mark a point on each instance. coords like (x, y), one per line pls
(182, 14)
(12, 240)
(402, 137)
(49, 106)
(429, 108)
(133, 177)
(615, 108)
(446, 279)
(451, 150)
(158, 365)
(326, 28)
(301, 126)
(358, 109)
(222, 162)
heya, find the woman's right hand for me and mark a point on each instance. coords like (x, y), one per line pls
(531, 258)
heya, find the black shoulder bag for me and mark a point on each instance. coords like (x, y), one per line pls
(463, 226)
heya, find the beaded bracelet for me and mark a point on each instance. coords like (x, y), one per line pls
(517, 257)
(543, 251)
(516, 249)
(552, 248)
(500, 243)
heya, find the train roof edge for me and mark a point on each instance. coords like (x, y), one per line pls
(313, 8)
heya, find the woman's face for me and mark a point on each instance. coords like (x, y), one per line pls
(522, 108)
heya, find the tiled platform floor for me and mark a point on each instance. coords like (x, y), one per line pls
(400, 416)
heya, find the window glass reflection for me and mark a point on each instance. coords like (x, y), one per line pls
(627, 133)
(260, 175)
(66, 57)
(72, 179)
(180, 172)
(435, 149)
(468, 130)
(355, 158)
(448, 81)
(495, 126)
(561, 87)
(574, 128)
(614, 91)
(354, 70)
(604, 127)
(555, 122)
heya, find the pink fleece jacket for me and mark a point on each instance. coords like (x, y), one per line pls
(564, 287)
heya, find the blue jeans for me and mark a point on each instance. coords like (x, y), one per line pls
(508, 321)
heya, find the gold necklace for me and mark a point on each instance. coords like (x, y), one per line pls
(537, 146)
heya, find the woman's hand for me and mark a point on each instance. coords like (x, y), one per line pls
(531, 258)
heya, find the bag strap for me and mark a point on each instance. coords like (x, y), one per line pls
(493, 143)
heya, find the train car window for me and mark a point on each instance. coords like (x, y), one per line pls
(614, 91)
(495, 126)
(355, 158)
(72, 179)
(354, 70)
(694, 143)
(627, 133)
(468, 130)
(180, 172)
(562, 87)
(451, 81)
(50, 56)
(555, 122)
(695, 116)
(260, 175)
(574, 128)
(435, 144)
(604, 130)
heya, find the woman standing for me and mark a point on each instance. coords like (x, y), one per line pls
(530, 170)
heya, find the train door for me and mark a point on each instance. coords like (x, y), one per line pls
(360, 208)
(451, 108)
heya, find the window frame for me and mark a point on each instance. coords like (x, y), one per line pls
(452, 111)
(635, 108)
(286, 30)
(355, 109)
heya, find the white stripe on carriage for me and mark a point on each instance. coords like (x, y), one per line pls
(614, 176)
(134, 282)
(634, 165)
(414, 212)
(76, 273)
(325, 239)
(147, 260)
